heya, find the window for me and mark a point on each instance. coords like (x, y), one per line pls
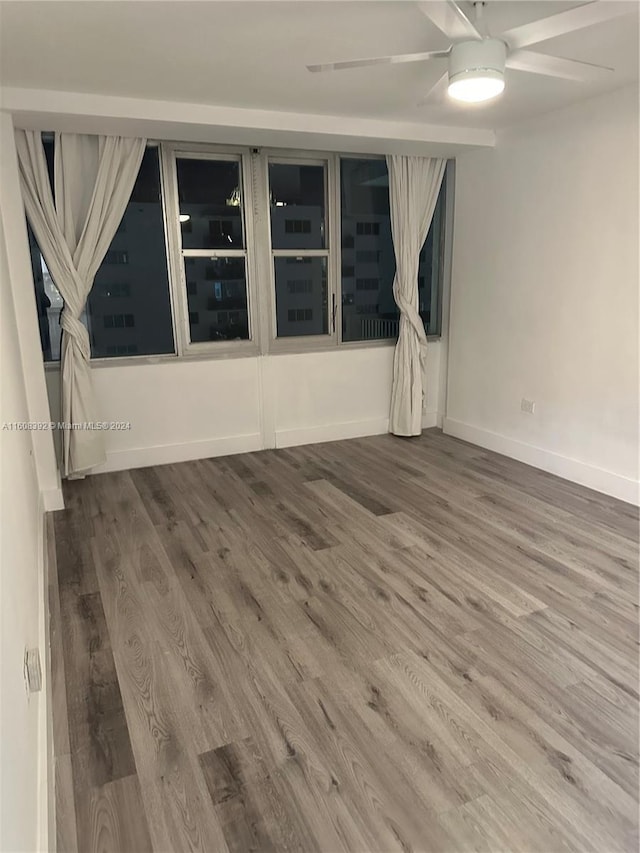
(300, 285)
(214, 252)
(215, 239)
(210, 197)
(299, 245)
(367, 249)
(221, 285)
(368, 229)
(291, 296)
(368, 259)
(129, 308)
(49, 303)
(300, 315)
(297, 226)
(431, 268)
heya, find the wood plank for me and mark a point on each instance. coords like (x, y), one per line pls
(248, 802)
(117, 821)
(66, 831)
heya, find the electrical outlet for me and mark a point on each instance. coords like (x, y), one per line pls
(32, 670)
(527, 406)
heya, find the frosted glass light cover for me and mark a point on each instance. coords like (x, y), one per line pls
(476, 86)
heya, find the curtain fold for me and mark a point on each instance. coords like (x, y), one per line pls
(414, 184)
(93, 180)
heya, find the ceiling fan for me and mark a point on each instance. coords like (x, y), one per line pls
(477, 60)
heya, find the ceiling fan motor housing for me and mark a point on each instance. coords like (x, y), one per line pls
(471, 57)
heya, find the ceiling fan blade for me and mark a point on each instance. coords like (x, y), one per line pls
(578, 18)
(380, 60)
(448, 17)
(436, 92)
(555, 66)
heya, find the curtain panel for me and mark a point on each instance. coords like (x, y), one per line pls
(414, 185)
(93, 181)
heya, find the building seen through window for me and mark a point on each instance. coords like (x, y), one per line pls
(128, 311)
(211, 218)
(298, 224)
(369, 310)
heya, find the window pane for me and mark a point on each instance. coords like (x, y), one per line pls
(128, 311)
(301, 296)
(48, 303)
(48, 300)
(210, 193)
(429, 270)
(297, 206)
(217, 297)
(129, 307)
(369, 310)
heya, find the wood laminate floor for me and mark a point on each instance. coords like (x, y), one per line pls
(368, 645)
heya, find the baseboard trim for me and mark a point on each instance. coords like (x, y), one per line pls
(431, 419)
(330, 432)
(52, 500)
(599, 479)
(164, 454)
(340, 431)
(46, 792)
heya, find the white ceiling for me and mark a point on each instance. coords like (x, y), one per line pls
(253, 54)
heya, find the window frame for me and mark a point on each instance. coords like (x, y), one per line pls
(178, 280)
(259, 255)
(301, 343)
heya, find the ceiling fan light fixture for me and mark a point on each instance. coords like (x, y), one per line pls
(476, 70)
(472, 87)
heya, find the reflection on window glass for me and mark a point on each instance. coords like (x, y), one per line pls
(369, 310)
(301, 296)
(210, 194)
(217, 296)
(128, 311)
(297, 206)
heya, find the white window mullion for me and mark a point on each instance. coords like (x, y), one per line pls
(177, 284)
(300, 253)
(336, 242)
(261, 250)
(248, 211)
(214, 254)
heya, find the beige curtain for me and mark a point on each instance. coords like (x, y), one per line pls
(414, 184)
(93, 180)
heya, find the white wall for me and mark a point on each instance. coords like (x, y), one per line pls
(29, 484)
(545, 295)
(189, 409)
(22, 718)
